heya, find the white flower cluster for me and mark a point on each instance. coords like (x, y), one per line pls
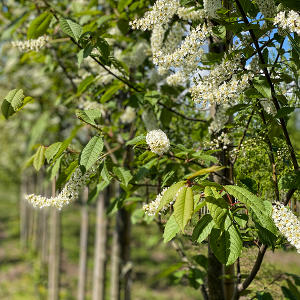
(161, 13)
(190, 14)
(267, 7)
(289, 21)
(30, 45)
(158, 141)
(151, 209)
(222, 85)
(211, 7)
(185, 58)
(128, 116)
(69, 193)
(287, 223)
(86, 105)
(222, 141)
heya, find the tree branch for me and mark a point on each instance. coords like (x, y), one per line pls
(268, 78)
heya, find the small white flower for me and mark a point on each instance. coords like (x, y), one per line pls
(287, 223)
(289, 21)
(158, 141)
(151, 209)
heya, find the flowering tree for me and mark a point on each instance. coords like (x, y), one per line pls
(185, 99)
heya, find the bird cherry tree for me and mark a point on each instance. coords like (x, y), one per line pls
(184, 103)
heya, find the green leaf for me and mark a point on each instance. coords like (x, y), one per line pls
(226, 244)
(262, 87)
(85, 83)
(289, 181)
(123, 175)
(70, 28)
(170, 194)
(259, 209)
(103, 46)
(39, 25)
(152, 97)
(105, 174)
(184, 207)
(111, 91)
(220, 31)
(89, 116)
(39, 158)
(140, 139)
(205, 171)
(284, 111)
(171, 229)
(55, 168)
(203, 228)
(12, 102)
(217, 206)
(91, 152)
(52, 150)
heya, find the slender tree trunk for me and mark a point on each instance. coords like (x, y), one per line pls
(84, 228)
(115, 254)
(23, 213)
(54, 251)
(100, 258)
(125, 252)
(44, 237)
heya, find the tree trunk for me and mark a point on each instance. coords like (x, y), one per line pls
(54, 251)
(100, 258)
(84, 228)
(115, 254)
(23, 214)
(125, 253)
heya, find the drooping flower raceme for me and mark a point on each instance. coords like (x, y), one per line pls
(222, 85)
(151, 209)
(267, 7)
(287, 223)
(158, 141)
(161, 13)
(69, 193)
(211, 7)
(289, 21)
(30, 45)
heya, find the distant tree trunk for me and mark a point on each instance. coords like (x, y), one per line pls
(44, 236)
(115, 255)
(23, 213)
(100, 258)
(54, 251)
(84, 227)
(125, 252)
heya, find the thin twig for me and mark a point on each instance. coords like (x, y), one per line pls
(180, 114)
(273, 92)
(243, 137)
